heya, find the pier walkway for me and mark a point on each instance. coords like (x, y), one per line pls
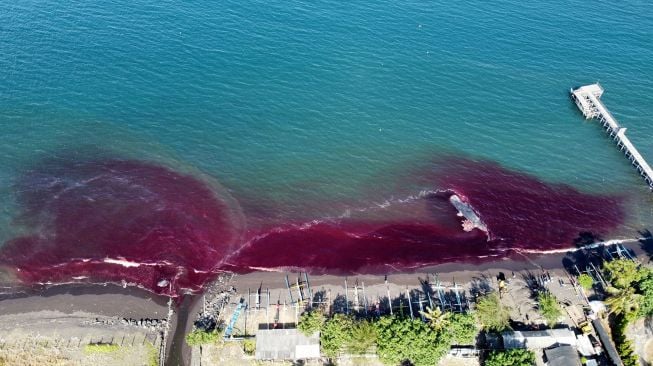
(588, 100)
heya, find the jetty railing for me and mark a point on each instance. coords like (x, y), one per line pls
(588, 100)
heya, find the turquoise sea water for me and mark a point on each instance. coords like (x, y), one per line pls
(285, 103)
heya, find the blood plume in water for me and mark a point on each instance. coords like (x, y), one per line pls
(524, 212)
(520, 211)
(334, 249)
(164, 226)
(175, 226)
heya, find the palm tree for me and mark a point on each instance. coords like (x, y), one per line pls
(623, 301)
(436, 317)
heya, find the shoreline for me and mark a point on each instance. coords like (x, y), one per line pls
(104, 300)
(460, 271)
(91, 301)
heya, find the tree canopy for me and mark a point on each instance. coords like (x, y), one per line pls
(549, 308)
(436, 317)
(311, 322)
(335, 333)
(401, 339)
(199, 337)
(463, 328)
(586, 281)
(362, 337)
(491, 314)
(623, 301)
(646, 289)
(512, 357)
(397, 338)
(631, 293)
(629, 296)
(624, 345)
(622, 273)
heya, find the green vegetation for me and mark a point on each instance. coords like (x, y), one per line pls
(362, 337)
(630, 297)
(401, 339)
(631, 293)
(436, 318)
(624, 346)
(491, 314)
(463, 329)
(394, 338)
(645, 287)
(513, 357)
(199, 337)
(95, 348)
(585, 281)
(342, 332)
(624, 302)
(549, 308)
(249, 346)
(622, 273)
(152, 355)
(310, 322)
(335, 333)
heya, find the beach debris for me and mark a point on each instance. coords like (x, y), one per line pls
(216, 297)
(147, 323)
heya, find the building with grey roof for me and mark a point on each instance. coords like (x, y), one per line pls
(562, 356)
(538, 339)
(286, 344)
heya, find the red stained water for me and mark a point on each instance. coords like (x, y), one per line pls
(524, 212)
(521, 212)
(334, 249)
(170, 224)
(175, 227)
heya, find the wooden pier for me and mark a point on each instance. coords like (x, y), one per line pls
(588, 100)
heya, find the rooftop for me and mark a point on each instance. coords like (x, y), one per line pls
(286, 344)
(562, 356)
(538, 339)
